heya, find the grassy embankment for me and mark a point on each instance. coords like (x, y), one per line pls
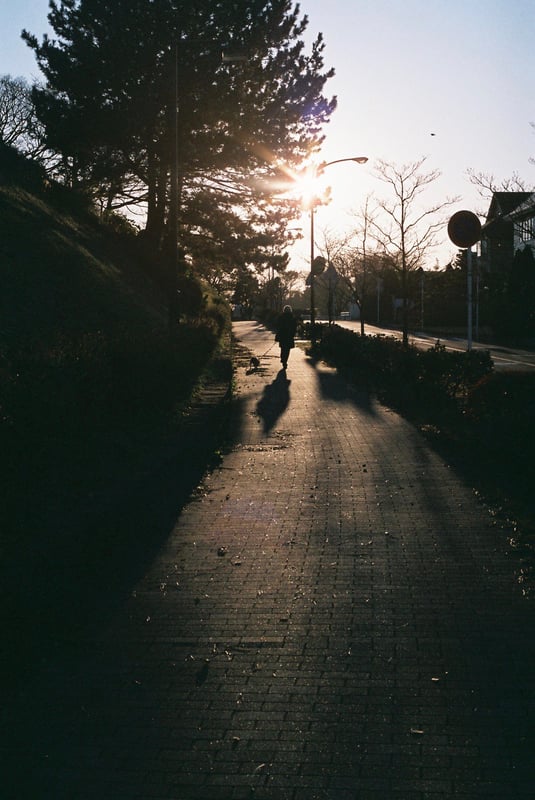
(93, 390)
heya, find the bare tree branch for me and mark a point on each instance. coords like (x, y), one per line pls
(402, 228)
(487, 184)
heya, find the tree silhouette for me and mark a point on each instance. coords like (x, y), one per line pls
(405, 229)
(135, 88)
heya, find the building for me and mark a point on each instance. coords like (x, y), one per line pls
(509, 227)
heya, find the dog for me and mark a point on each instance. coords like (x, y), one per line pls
(254, 363)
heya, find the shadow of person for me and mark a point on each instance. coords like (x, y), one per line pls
(274, 400)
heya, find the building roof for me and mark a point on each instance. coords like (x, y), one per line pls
(503, 203)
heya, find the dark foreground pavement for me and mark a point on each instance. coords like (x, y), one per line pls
(333, 617)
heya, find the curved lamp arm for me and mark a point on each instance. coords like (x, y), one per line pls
(356, 159)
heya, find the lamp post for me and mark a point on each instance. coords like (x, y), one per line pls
(318, 171)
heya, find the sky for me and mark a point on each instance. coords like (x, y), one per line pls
(449, 80)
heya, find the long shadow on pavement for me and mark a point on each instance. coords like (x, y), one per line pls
(87, 561)
(274, 400)
(333, 387)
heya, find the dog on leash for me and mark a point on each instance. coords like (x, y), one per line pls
(254, 363)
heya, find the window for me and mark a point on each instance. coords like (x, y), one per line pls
(526, 229)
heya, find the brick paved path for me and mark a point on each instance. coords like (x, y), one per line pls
(334, 617)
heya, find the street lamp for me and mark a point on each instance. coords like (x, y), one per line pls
(318, 171)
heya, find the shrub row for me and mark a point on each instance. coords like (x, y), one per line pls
(424, 384)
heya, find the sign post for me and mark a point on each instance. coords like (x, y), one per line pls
(464, 230)
(469, 296)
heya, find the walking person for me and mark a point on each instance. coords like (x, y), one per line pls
(285, 333)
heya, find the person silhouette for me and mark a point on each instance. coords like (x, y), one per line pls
(285, 333)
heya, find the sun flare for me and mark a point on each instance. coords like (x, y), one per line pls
(308, 186)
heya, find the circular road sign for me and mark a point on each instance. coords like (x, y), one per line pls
(318, 265)
(464, 229)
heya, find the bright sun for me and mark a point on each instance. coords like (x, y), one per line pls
(308, 186)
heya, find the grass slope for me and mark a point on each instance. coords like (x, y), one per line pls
(61, 270)
(94, 395)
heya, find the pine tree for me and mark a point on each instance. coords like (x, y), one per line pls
(135, 87)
